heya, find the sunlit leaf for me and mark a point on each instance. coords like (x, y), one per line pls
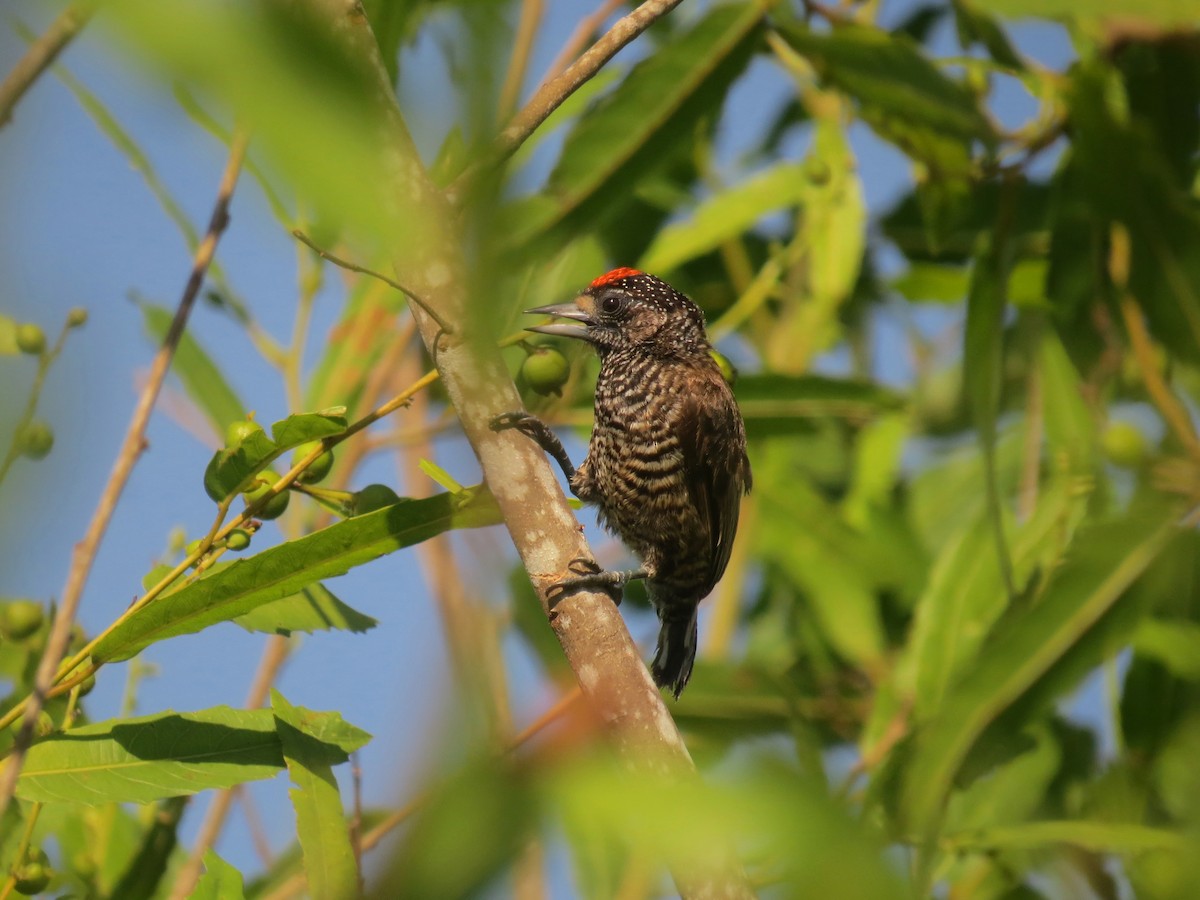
(220, 880)
(281, 571)
(314, 608)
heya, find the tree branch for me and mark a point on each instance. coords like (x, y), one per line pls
(41, 55)
(559, 87)
(131, 449)
(614, 680)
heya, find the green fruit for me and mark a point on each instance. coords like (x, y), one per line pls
(34, 874)
(77, 317)
(36, 439)
(30, 339)
(238, 431)
(318, 468)
(728, 372)
(85, 686)
(1124, 445)
(545, 370)
(277, 504)
(192, 546)
(43, 726)
(817, 170)
(373, 497)
(21, 619)
(239, 539)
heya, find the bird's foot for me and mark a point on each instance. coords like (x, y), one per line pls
(586, 574)
(507, 420)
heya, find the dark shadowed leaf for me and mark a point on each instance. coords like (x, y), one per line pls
(314, 608)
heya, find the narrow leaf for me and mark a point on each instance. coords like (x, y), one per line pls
(1094, 837)
(329, 862)
(1108, 558)
(288, 568)
(314, 608)
(304, 427)
(726, 215)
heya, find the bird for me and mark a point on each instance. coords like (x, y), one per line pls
(666, 464)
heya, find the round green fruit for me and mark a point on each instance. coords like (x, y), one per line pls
(238, 431)
(276, 505)
(21, 619)
(239, 539)
(30, 339)
(86, 686)
(33, 875)
(36, 439)
(545, 370)
(1124, 445)
(77, 317)
(373, 497)
(318, 468)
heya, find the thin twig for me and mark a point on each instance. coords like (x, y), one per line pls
(354, 267)
(579, 38)
(553, 92)
(41, 55)
(131, 449)
(1168, 404)
(518, 63)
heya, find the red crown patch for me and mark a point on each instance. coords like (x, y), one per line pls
(614, 275)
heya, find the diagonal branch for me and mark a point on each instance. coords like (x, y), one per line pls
(41, 55)
(614, 680)
(559, 87)
(131, 450)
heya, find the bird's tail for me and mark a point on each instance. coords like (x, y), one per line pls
(672, 666)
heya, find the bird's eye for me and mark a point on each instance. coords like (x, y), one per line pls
(611, 304)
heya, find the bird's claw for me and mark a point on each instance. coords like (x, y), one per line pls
(586, 573)
(508, 420)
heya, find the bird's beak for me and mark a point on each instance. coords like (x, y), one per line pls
(562, 329)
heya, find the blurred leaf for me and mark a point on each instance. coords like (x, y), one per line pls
(1160, 12)
(1175, 643)
(314, 608)
(1106, 559)
(983, 353)
(145, 869)
(329, 862)
(395, 24)
(293, 83)
(774, 404)
(354, 345)
(465, 833)
(638, 126)
(220, 880)
(8, 336)
(1070, 426)
(147, 758)
(1096, 837)
(726, 215)
(903, 96)
(288, 568)
(930, 282)
(201, 377)
(1010, 794)
(976, 25)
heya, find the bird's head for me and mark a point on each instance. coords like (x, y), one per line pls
(629, 310)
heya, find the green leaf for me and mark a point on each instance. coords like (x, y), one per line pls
(726, 215)
(220, 880)
(983, 352)
(638, 127)
(314, 608)
(1158, 12)
(249, 583)
(903, 96)
(304, 427)
(1173, 642)
(930, 282)
(777, 404)
(1094, 837)
(154, 849)
(201, 378)
(1070, 426)
(329, 862)
(230, 469)
(1106, 559)
(144, 759)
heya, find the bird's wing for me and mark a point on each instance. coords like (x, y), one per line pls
(715, 468)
